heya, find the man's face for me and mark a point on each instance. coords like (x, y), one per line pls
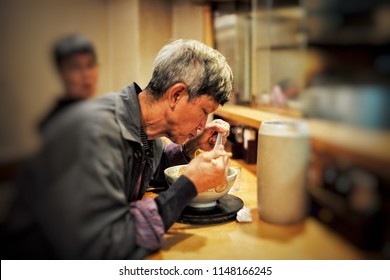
(79, 74)
(190, 116)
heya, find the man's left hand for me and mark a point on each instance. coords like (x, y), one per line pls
(205, 140)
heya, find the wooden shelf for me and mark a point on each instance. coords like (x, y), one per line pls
(364, 145)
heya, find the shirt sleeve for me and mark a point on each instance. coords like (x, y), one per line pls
(154, 217)
(175, 154)
(172, 155)
(149, 227)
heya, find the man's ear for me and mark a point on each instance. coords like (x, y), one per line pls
(175, 93)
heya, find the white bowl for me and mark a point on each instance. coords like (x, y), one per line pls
(208, 198)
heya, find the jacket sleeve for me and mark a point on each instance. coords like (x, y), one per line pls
(173, 201)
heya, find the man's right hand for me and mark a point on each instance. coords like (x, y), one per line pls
(208, 170)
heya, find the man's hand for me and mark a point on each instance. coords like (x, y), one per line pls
(208, 170)
(205, 140)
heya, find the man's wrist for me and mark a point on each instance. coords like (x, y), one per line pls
(187, 151)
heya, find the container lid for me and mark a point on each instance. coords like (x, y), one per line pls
(284, 128)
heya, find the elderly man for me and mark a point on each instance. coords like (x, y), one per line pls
(82, 196)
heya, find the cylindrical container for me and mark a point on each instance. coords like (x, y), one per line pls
(282, 163)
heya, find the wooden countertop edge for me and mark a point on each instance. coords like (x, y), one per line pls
(362, 142)
(305, 242)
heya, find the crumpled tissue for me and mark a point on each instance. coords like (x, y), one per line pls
(244, 215)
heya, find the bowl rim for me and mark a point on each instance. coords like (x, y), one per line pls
(178, 166)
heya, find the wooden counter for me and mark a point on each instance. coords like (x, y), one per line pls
(255, 240)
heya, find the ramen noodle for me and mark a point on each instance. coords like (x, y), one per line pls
(198, 152)
(181, 171)
(221, 187)
(217, 189)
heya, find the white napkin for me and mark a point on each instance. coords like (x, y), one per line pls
(244, 215)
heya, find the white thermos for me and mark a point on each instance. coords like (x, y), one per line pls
(282, 162)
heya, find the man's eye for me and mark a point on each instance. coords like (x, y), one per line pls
(75, 67)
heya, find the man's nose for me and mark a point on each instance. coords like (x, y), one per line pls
(86, 72)
(202, 124)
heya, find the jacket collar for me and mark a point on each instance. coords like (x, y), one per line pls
(128, 113)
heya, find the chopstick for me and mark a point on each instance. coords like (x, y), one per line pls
(218, 141)
(228, 154)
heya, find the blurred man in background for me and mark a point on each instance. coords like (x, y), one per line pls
(76, 62)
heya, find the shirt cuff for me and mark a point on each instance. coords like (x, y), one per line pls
(173, 201)
(175, 154)
(148, 224)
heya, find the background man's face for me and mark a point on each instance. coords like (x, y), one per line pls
(79, 73)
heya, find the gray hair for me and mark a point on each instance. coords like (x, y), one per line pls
(203, 69)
